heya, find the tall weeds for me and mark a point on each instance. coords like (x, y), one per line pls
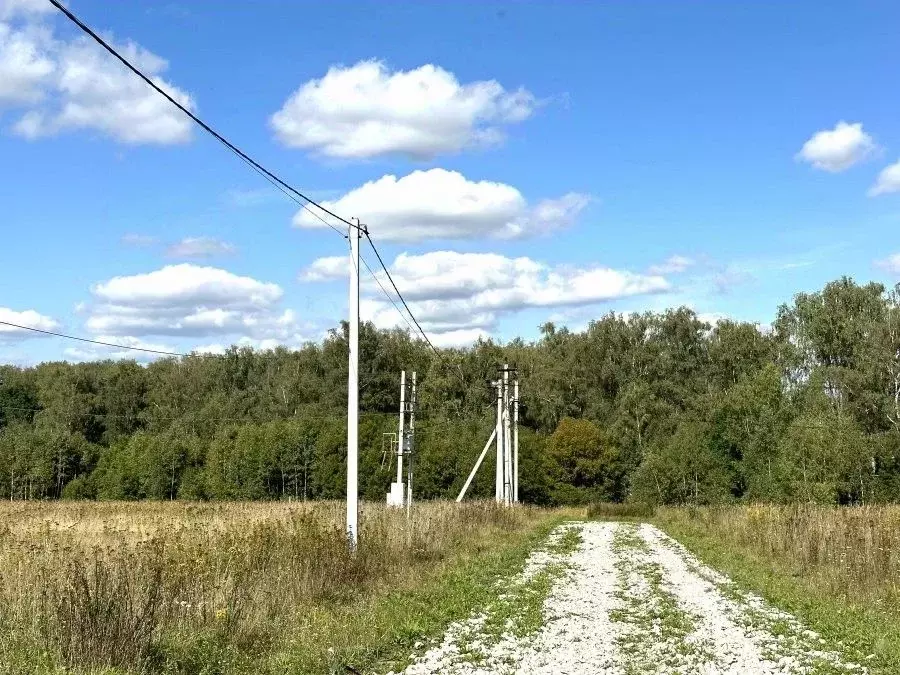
(853, 552)
(142, 587)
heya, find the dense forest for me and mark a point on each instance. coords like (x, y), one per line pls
(650, 407)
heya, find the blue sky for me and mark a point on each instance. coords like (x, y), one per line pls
(516, 162)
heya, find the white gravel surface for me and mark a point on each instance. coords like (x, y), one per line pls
(629, 600)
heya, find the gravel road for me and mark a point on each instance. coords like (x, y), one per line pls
(625, 598)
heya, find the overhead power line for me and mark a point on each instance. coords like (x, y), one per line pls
(282, 185)
(397, 290)
(93, 342)
(386, 294)
(259, 168)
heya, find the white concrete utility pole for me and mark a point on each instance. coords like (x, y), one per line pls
(498, 486)
(396, 495)
(506, 484)
(516, 439)
(410, 446)
(353, 393)
(507, 440)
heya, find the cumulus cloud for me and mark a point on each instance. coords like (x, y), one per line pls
(29, 318)
(64, 85)
(712, 318)
(458, 296)
(675, 264)
(367, 110)
(458, 338)
(190, 300)
(888, 181)
(10, 9)
(837, 149)
(259, 345)
(25, 65)
(329, 267)
(200, 247)
(102, 352)
(441, 204)
(891, 264)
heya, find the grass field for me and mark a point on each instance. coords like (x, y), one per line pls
(836, 568)
(238, 588)
(241, 587)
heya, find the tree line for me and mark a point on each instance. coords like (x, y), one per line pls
(652, 407)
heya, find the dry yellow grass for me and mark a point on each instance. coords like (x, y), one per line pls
(851, 552)
(836, 568)
(157, 586)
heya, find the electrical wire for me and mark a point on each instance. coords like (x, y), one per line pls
(94, 342)
(387, 295)
(286, 188)
(259, 168)
(399, 294)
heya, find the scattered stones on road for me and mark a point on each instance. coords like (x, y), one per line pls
(622, 599)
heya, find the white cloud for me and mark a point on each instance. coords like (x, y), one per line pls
(187, 285)
(888, 181)
(675, 264)
(440, 204)
(837, 149)
(190, 300)
(12, 8)
(65, 85)
(329, 267)
(891, 264)
(101, 352)
(712, 318)
(25, 66)
(200, 247)
(458, 338)
(366, 111)
(725, 280)
(458, 296)
(29, 318)
(258, 345)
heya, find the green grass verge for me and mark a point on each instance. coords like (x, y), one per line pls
(382, 633)
(519, 609)
(649, 612)
(867, 635)
(376, 633)
(415, 616)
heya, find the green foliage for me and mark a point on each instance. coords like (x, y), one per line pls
(613, 510)
(657, 407)
(683, 469)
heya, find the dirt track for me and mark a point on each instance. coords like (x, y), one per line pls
(629, 599)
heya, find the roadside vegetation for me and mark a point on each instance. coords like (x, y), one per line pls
(187, 589)
(836, 568)
(661, 408)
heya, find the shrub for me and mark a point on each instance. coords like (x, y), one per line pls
(612, 511)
